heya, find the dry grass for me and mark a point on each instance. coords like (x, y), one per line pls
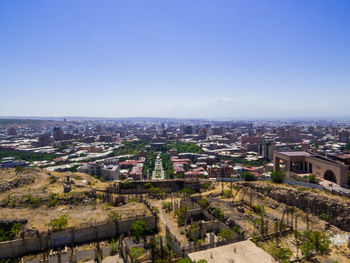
(78, 215)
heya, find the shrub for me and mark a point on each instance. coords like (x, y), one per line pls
(53, 179)
(155, 209)
(218, 213)
(113, 216)
(185, 260)
(156, 192)
(125, 184)
(282, 254)
(227, 193)
(52, 200)
(167, 206)
(237, 229)
(248, 176)
(324, 217)
(132, 200)
(59, 224)
(187, 191)
(147, 185)
(302, 189)
(113, 247)
(225, 234)
(19, 169)
(277, 176)
(34, 202)
(313, 179)
(259, 209)
(203, 203)
(206, 185)
(135, 253)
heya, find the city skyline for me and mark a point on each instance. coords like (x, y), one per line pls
(198, 59)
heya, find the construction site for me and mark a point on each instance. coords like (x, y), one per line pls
(72, 217)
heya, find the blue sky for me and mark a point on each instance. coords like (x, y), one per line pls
(179, 58)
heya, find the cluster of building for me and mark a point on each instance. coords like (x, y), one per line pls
(226, 147)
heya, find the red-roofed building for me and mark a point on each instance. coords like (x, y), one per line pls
(193, 174)
(127, 164)
(136, 172)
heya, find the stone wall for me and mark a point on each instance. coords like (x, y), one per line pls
(172, 185)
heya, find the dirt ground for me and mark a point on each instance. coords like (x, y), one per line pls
(78, 215)
(39, 218)
(273, 210)
(42, 185)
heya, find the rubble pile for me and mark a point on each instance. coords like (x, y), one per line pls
(17, 182)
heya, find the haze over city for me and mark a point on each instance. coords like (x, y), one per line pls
(187, 59)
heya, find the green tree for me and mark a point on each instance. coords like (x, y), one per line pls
(314, 242)
(139, 229)
(347, 146)
(9, 232)
(277, 176)
(248, 176)
(181, 215)
(27, 156)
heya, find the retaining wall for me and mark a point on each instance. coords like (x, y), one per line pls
(21, 247)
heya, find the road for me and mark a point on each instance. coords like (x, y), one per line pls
(158, 173)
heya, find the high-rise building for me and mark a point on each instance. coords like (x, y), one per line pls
(44, 140)
(11, 131)
(344, 136)
(266, 149)
(57, 134)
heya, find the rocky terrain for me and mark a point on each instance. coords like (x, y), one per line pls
(19, 181)
(335, 209)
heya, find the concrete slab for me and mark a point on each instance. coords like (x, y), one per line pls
(240, 252)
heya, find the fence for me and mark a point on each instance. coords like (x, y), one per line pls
(290, 182)
(21, 247)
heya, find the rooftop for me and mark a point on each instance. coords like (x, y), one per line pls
(296, 153)
(241, 252)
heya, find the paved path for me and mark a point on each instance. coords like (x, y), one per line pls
(158, 166)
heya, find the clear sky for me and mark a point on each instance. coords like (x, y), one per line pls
(175, 58)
